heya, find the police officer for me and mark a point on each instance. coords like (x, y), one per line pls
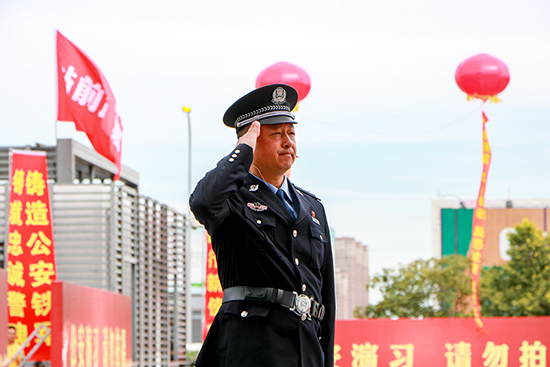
(272, 244)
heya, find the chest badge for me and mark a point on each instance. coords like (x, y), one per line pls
(257, 207)
(253, 188)
(315, 220)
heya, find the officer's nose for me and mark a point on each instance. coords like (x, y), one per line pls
(287, 140)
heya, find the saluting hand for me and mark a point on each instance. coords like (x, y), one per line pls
(251, 135)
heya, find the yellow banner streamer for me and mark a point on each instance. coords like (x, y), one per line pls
(478, 230)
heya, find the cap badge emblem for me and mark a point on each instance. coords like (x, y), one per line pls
(279, 96)
(253, 188)
(257, 207)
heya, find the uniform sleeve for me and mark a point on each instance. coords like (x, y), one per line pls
(209, 201)
(329, 301)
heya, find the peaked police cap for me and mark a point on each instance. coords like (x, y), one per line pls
(271, 104)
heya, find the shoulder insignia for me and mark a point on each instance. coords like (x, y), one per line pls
(303, 191)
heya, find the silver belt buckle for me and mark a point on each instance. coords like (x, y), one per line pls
(302, 306)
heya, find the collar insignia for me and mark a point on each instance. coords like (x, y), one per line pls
(253, 188)
(315, 220)
(257, 207)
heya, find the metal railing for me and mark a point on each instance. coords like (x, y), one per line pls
(34, 334)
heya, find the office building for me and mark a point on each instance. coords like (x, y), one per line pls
(351, 259)
(108, 236)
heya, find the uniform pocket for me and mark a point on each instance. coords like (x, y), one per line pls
(261, 224)
(317, 242)
(245, 310)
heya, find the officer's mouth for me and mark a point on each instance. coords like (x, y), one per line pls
(287, 152)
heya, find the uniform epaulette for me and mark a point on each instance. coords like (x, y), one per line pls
(304, 191)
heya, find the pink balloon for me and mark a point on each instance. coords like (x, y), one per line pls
(482, 76)
(286, 73)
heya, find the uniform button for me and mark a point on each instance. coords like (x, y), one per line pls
(296, 261)
(237, 151)
(259, 221)
(304, 287)
(234, 156)
(231, 159)
(244, 314)
(294, 233)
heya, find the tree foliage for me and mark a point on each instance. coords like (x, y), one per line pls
(427, 288)
(522, 286)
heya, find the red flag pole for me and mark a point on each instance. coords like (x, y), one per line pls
(189, 314)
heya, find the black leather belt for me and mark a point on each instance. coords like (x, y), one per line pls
(302, 305)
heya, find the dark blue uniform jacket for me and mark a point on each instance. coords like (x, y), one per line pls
(258, 244)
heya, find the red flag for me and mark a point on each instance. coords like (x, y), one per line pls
(85, 98)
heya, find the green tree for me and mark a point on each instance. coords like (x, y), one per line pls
(522, 286)
(428, 288)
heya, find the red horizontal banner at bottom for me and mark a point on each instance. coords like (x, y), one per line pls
(451, 342)
(90, 327)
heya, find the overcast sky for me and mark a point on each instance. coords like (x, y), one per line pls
(383, 131)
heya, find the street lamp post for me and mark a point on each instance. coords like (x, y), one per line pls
(187, 111)
(188, 295)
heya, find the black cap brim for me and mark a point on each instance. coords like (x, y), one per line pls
(277, 120)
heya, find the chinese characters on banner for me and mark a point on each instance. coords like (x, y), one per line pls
(91, 327)
(444, 342)
(478, 230)
(3, 320)
(214, 292)
(85, 98)
(30, 256)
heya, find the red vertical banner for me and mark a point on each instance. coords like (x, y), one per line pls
(478, 229)
(214, 293)
(30, 256)
(3, 317)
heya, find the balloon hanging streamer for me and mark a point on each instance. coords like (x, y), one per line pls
(478, 230)
(493, 99)
(482, 77)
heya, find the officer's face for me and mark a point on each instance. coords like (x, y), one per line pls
(275, 149)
